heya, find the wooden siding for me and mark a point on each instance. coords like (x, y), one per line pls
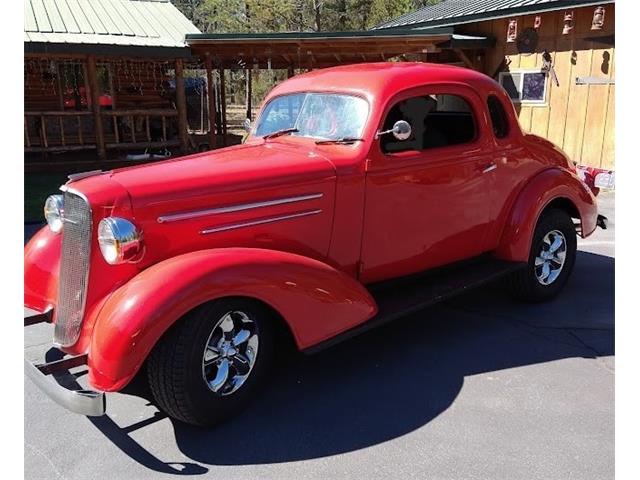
(134, 84)
(578, 118)
(143, 110)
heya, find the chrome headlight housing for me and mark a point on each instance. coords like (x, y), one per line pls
(53, 211)
(120, 241)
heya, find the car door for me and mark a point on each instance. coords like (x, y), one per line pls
(427, 199)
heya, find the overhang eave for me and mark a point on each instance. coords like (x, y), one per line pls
(324, 49)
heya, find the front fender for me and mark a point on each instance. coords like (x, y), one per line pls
(545, 187)
(41, 270)
(316, 300)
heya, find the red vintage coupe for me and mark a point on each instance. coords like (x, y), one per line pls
(362, 193)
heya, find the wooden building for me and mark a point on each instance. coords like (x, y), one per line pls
(556, 58)
(104, 77)
(109, 76)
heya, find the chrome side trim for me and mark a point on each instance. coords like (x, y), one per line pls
(237, 208)
(260, 221)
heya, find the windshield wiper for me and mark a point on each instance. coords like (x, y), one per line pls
(278, 133)
(340, 140)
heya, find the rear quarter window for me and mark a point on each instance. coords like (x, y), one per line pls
(499, 120)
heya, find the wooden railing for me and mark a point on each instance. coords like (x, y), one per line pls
(57, 131)
(39, 136)
(133, 128)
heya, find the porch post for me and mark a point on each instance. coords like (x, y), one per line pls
(94, 89)
(181, 105)
(248, 93)
(223, 108)
(211, 97)
(465, 59)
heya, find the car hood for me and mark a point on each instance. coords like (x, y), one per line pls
(179, 183)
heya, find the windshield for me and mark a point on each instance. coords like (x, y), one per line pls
(327, 116)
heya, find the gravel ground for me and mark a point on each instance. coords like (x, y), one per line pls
(478, 387)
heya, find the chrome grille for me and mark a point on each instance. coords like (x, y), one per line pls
(74, 269)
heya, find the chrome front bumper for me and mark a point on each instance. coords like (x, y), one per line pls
(84, 402)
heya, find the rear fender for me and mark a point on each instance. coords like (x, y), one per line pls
(315, 300)
(540, 192)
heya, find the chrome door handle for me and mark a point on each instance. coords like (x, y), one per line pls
(489, 168)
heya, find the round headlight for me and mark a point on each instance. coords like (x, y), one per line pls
(119, 240)
(53, 210)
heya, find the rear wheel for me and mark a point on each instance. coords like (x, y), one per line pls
(209, 366)
(553, 252)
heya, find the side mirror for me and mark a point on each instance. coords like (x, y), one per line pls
(247, 124)
(401, 130)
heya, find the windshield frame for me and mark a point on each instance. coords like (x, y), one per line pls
(312, 92)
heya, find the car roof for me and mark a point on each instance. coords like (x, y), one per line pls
(380, 80)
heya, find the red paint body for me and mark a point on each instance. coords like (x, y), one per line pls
(370, 216)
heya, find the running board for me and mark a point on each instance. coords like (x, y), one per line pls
(401, 297)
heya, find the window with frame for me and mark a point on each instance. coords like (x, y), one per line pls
(499, 120)
(526, 86)
(441, 120)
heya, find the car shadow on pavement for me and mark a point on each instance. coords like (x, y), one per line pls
(397, 378)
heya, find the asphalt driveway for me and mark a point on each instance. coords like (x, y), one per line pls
(478, 387)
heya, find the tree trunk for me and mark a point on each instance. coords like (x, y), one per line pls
(317, 11)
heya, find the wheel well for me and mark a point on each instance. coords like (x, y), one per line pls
(565, 205)
(284, 335)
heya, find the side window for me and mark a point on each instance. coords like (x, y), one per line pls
(436, 121)
(498, 117)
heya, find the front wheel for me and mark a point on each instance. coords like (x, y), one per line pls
(553, 253)
(210, 365)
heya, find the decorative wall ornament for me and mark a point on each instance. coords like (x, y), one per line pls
(527, 41)
(537, 22)
(598, 19)
(547, 67)
(568, 23)
(512, 31)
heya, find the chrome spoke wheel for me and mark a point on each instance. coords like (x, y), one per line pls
(230, 352)
(549, 262)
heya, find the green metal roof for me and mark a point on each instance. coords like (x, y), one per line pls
(456, 12)
(104, 26)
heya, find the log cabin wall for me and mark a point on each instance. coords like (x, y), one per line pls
(41, 88)
(137, 98)
(579, 118)
(141, 84)
(133, 84)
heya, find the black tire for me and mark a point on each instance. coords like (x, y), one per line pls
(175, 366)
(524, 285)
